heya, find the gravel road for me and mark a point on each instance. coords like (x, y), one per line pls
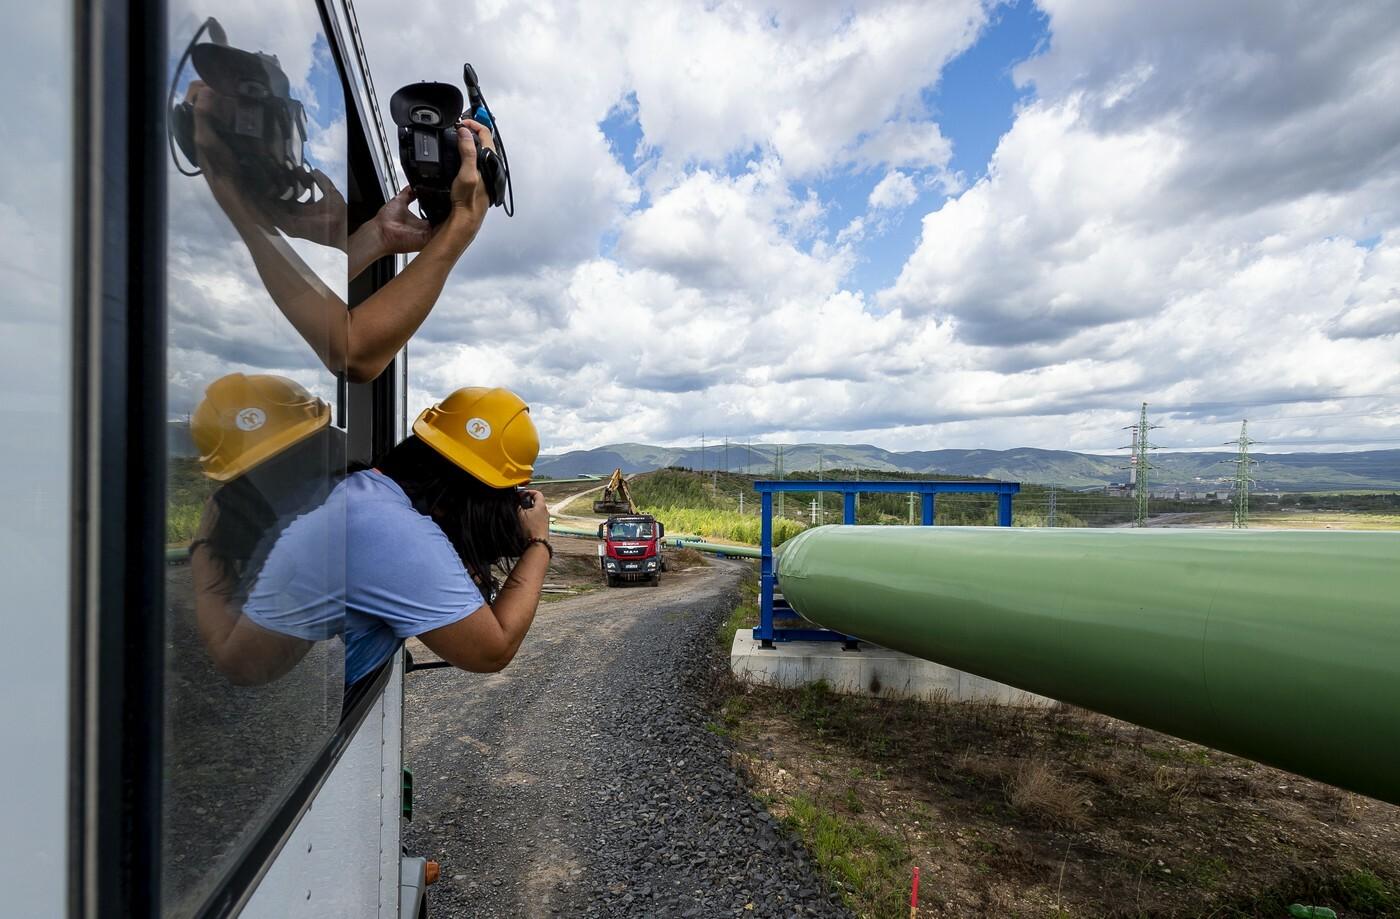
(581, 781)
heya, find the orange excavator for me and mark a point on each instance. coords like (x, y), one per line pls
(616, 498)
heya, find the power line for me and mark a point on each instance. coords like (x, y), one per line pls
(778, 474)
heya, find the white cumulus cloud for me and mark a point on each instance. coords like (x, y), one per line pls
(895, 190)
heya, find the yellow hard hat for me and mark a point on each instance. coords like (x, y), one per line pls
(248, 418)
(488, 432)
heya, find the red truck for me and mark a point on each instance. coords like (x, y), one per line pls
(631, 548)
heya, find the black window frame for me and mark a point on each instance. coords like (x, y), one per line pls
(118, 459)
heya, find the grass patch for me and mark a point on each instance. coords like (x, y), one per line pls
(1324, 520)
(1037, 790)
(1362, 890)
(744, 614)
(1188, 754)
(1351, 893)
(719, 524)
(706, 504)
(866, 865)
(187, 489)
(182, 522)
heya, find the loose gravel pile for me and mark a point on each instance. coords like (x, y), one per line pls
(582, 781)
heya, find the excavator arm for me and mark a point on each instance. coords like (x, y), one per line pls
(616, 498)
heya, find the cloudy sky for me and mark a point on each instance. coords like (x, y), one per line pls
(922, 225)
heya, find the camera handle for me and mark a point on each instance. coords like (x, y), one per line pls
(476, 103)
(174, 113)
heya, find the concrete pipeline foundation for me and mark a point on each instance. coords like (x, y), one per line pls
(1280, 646)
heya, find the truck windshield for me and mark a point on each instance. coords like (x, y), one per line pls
(631, 529)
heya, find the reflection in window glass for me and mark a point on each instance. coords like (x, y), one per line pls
(257, 330)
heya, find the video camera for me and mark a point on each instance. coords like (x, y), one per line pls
(263, 126)
(427, 116)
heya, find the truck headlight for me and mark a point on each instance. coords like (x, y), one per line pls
(612, 565)
(651, 563)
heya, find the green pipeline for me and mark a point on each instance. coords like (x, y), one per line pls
(1283, 647)
(716, 548)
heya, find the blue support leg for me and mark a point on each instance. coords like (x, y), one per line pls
(928, 508)
(1004, 510)
(764, 632)
(848, 509)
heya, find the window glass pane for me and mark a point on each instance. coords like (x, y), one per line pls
(36, 227)
(257, 330)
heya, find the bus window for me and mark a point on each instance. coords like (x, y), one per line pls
(256, 242)
(36, 413)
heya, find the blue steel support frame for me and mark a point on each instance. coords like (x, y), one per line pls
(769, 608)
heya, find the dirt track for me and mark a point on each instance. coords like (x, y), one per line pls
(582, 781)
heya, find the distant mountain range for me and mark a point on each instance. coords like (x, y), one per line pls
(1369, 469)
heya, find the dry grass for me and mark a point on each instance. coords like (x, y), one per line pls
(1324, 520)
(1036, 789)
(1057, 812)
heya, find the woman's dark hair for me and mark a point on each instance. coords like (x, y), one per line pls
(481, 522)
(256, 507)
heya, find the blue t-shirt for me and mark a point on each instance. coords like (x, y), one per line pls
(365, 565)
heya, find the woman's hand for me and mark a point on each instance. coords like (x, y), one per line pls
(321, 221)
(395, 229)
(469, 199)
(535, 520)
(400, 230)
(217, 162)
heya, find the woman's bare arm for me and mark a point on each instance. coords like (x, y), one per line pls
(359, 342)
(487, 640)
(243, 651)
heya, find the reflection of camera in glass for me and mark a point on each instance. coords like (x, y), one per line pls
(427, 116)
(262, 125)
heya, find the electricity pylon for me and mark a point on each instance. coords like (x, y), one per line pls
(1138, 465)
(1050, 508)
(778, 473)
(1242, 478)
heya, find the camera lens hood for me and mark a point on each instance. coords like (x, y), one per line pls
(443, 98)
(232, 71)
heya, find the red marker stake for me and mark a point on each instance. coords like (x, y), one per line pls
(914, 896)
